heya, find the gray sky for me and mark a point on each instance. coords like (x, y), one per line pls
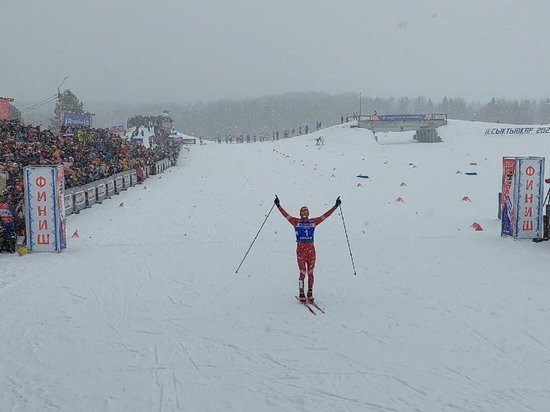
(198, 50)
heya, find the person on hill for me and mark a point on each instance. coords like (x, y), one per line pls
(304, 228)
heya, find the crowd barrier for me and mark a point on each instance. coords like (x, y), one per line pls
(83, 197)
(162, 166)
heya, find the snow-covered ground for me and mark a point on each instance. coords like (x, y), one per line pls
(144, 311)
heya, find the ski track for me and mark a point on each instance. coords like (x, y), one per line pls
(146, 312)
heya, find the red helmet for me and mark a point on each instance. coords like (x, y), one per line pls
(304, 211)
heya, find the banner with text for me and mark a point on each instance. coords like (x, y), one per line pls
(530, 195)
(75, 119)
(402, 117)
(522, 197)
(117, 129)
(44, 208)
(508, 212)
(518, 130)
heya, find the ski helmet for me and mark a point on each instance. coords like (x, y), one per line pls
(304, 211)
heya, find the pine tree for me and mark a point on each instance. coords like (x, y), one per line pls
(68, 101)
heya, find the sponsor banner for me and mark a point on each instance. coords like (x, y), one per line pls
(403, 117)
(75, 119)
(119, 186)
(90, 195)
(126, 180)
(110, 187)
(507, 207)
(101, 192)
(4, 109)
(79, 199)
(117, 129)
(518, 130)
(44, 208)
(530, 194)
(69, 202)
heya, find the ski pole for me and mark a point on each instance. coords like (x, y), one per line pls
(250, 247)
(347, 238)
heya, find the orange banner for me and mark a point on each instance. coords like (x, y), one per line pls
(4, 109)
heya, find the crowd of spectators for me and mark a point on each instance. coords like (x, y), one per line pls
(263, 137)
(86, 154)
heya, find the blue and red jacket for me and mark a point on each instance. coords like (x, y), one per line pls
(305, 227)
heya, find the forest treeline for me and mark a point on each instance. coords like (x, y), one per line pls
(286, 111)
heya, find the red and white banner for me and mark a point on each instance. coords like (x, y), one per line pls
(507, 206)
(44, 208)
(522, 197)
(530, 195)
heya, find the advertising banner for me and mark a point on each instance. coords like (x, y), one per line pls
(101, 189)
(79, 199)
(522, 197)
(44, 208)
(507, 207)
(69, 202)
(518, 130)
(75, 119)
(119, 186)
(403, 117)
(91, 196)
(117, 129)
(530, 195)
(126, 180)
(110, 187)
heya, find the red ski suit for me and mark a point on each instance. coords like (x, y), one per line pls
(305, 248)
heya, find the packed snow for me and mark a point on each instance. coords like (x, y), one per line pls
(144, 311)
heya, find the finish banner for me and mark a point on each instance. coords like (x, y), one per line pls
(522, 197)
(45, 208)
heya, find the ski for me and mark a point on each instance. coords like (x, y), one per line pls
(316, 307)
(306, 304)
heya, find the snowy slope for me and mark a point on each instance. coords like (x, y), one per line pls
(145, 312)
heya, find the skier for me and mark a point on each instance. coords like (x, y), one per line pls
(305, 248)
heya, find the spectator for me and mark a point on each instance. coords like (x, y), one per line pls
(86, 155)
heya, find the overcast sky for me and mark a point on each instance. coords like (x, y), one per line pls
(199, 50)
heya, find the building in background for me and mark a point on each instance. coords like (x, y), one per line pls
(7, 110)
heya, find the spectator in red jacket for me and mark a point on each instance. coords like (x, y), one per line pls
(7, 227)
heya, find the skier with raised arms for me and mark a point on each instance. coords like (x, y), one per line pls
(304, 228)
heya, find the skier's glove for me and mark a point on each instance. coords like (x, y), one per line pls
(276, 201)
(338, 202)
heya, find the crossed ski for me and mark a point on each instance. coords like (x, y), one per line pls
(310, 306)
